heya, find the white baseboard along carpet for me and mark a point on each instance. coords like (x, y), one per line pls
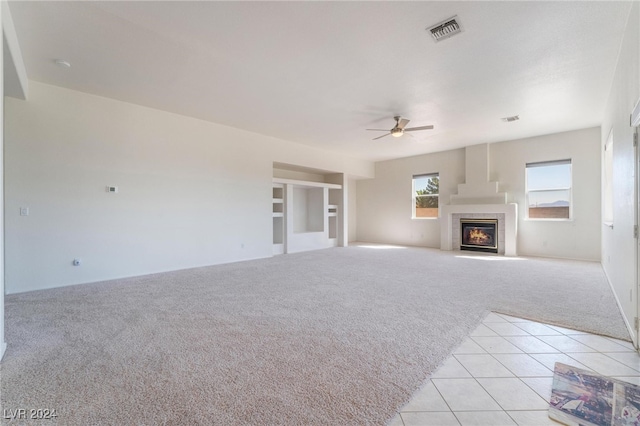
(337, 336)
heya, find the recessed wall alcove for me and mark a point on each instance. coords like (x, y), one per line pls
(309, 210)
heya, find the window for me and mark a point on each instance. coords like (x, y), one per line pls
(425, 195)
(549, 190)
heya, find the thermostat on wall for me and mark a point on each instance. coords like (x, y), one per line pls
(112, 189)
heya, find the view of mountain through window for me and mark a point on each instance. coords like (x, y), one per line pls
(549, 189)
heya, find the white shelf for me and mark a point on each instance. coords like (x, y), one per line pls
(278, 200)
(332, 214)
(278, 214)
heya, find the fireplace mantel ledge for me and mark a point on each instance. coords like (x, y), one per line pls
(511, 222)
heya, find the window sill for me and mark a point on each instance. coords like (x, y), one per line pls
(425, 218)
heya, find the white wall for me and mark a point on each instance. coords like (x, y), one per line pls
(618, 244)
(13, 82)
(578, 238)
(352, 209)
(3, 344)
(300, 204)
(191, 192)
(384, 203)
(384, 206)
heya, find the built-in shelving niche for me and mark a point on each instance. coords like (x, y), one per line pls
(332, 214)
(305, 215)
(308, 209)
(278, 218)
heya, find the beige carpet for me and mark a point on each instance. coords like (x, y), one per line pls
(331, 337)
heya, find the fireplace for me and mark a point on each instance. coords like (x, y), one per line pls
(479, 235)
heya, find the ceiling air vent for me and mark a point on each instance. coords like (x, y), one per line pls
(510, 119)
(445, 29)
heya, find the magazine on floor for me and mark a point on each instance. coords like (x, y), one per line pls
(584, 398)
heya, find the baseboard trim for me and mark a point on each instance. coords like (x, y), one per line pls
(121, 277)
(632, 332)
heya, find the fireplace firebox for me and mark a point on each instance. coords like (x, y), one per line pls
(479, 235)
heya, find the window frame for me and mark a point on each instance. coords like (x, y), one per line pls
(568, 161)
(415, 197)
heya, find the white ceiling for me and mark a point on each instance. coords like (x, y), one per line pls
(320, 73)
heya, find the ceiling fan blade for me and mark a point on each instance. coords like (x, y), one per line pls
(380, 130)
(402, 123)
(381, 136)
(411, 129)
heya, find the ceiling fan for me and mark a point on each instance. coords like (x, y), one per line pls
(400, 127)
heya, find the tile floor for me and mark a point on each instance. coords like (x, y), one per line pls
(502, 374)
